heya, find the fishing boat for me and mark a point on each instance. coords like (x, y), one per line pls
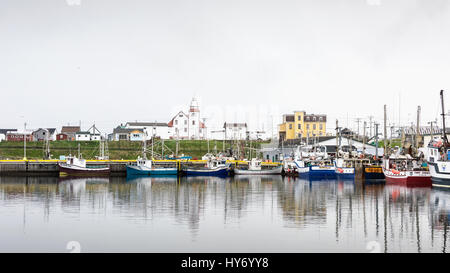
(404, 169)
(344, 168)
(438, 161)
(289, 167)
(438, 156)
(144, 166)
(213, 167)
(322, 169)
(373, 171)
(76, 166)
(314, 162)
(255, 167)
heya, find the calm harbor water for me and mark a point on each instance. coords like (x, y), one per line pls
(240, 214)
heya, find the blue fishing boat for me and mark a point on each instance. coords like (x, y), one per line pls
(315, 169)
(146, 167)
(344, 169)
(322, 170)
(212, 168)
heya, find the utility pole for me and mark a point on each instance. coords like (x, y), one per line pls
(385, 133)
(431, 129)
(418, 128)
(358, 120)
(370, 124)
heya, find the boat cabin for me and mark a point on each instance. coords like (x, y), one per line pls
(75, 161)
(255, 165)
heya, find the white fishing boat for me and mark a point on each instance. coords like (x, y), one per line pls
(144, 166)
(76, 166)
(437, 156)
(255, 167)
(213, 167)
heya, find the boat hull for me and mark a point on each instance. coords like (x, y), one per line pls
(259, 172)
(373, 173)
(345, 173)
(408, 178)
(79, 171)
(440, 174)
(206, 172)
(139, 170)
(316, 172)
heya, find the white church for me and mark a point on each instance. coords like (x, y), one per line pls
(188, 126)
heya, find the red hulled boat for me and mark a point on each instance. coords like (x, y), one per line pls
(77, 167)
(406, 170)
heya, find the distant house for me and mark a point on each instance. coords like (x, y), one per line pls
(235, 130)
(18, 136)
(44, 134)
(4, 132)
(129, 134)
(157, 129)
(70, 131)
(61, 136)
(83, 136)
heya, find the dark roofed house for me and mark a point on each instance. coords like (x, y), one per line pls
(123, 133)
(70, 131)
(139, 125)
(42, 134)
(157, 129)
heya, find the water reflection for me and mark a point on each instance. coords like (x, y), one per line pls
(244, 213)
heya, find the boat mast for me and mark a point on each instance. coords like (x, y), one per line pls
(153, 134)
(385, 134)
(337, 139)
(376, 140)
(418, 128)
(144, 146)
(443, 118)
(364, 138)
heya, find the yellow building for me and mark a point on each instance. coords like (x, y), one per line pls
(300, 125)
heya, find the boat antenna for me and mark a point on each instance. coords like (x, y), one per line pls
(443, 118)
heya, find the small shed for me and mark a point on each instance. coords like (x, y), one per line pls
(61, 136)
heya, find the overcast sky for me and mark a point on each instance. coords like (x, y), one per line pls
(115, 61)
